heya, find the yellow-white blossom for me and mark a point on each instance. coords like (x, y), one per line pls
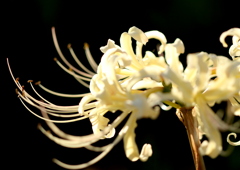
(234, 52)
(194, 87)
(134, 84)
(117, 85)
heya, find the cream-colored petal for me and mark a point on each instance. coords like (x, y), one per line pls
(155, 35)
(230, 32)
(85, 100)
(159, 36)
(172, 52)
(130, 146)
(138, 35)
(213, 146)
(110, 45)
(99, 122)
(182, 90)
(236, 110)
(151, 71)
(197, 71)
(146, 83)
(146, 152)
(234, 50)
(126, 45)
(151, 59)
(143, 107)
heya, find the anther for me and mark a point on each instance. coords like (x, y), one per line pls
(16, 90)
(85, 46)
(37, 83)
(55, 59)
(17, 79)
(30, 81)
(69, 46)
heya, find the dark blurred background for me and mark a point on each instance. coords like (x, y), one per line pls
(25, 36)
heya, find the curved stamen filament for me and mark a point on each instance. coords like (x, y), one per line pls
(82, 82)
(62, 94)
(71, 72)
(90, 58)
(62, 56)
(55, 121)
(30, 82)
(104, 153)
(78, 61)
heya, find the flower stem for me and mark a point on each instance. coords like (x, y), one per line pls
(190, 123)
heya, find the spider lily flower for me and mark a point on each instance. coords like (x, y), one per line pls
(117, 85)
(234, 52)
(195, 88)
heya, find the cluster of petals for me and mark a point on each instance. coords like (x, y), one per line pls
(136, 85)
(123, 81)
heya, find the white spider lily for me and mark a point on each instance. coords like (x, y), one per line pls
(194, 88)
(117, 85)
(113, 88)
(234, 52)
(134, 84)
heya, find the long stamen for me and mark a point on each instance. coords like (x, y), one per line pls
(71, 72)
(50, 120)
(78, 61)
(62, 94)
(15, 80)
(29, 99)
(82, 82)
(62, 56)
(30, 82)
(90, 58)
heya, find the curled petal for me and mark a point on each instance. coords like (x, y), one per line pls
(234, 50)
(110, 45)
(209, 148)
(138, 35)
(159, 36)
(233, 143)
(130, 146)
(126, 45)
(99, 123)
(213, 146)
(146, 152)
(172, 52)
(230, 32)
(155, 35)
(111, 133)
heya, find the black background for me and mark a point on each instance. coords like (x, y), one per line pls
(25, 37)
